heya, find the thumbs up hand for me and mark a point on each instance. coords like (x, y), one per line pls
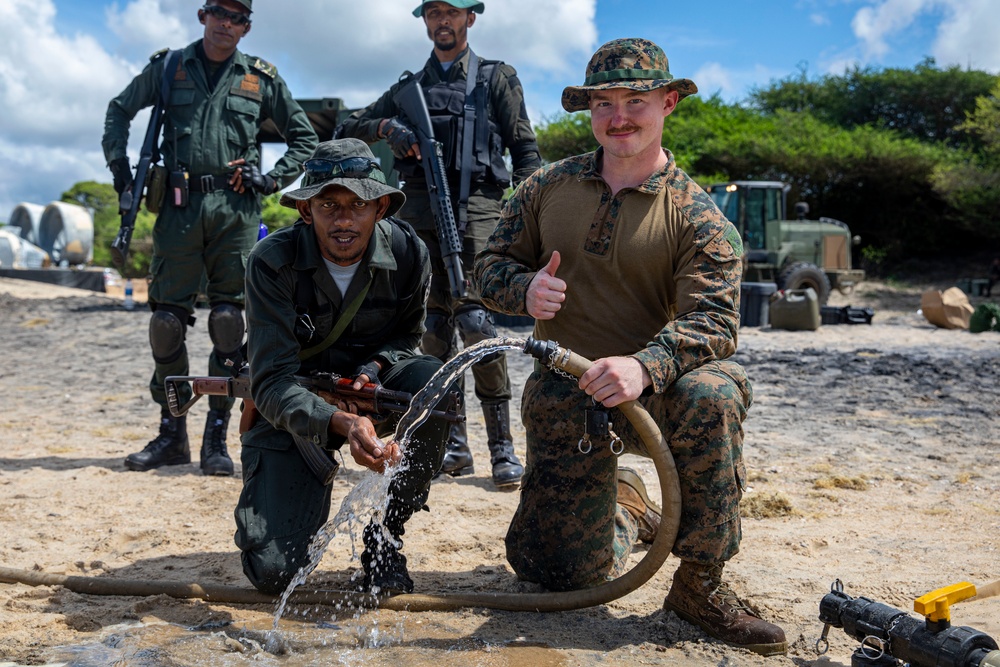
(546, 292)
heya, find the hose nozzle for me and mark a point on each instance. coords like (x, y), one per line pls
(540, 349)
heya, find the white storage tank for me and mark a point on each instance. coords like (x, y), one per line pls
(25, 220)
(66, 232)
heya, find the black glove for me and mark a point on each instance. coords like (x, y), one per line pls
(253, 178)
(399, 136)
(370, 369)
(122, 174)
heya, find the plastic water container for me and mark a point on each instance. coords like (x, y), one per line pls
(754, 302)
(795, 310)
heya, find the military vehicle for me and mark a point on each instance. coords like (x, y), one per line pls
(793, 254)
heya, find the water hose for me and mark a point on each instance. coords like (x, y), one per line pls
(549, 353)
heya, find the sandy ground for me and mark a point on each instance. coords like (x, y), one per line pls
(872, 454)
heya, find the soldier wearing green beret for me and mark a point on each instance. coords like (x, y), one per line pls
(622, 258)
(210, 218)
(477, 178)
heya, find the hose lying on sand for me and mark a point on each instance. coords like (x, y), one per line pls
(658, 551)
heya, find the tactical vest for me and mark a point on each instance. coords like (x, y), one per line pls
(446, 106)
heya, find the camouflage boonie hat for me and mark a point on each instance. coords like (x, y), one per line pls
(473, 5)
(368, 184)
(633, 63)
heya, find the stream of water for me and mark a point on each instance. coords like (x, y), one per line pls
(368, 500)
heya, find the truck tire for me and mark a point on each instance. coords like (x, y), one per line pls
(800, 275)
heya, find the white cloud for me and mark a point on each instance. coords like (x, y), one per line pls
(968, 36)
(712, 78)
(55, 87)
(873, 25)
(965, 35)
(146, 26)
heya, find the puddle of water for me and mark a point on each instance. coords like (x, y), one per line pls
(412, 640)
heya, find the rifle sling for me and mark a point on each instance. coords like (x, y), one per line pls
(166, 83)
(338, 328)
(468, 134)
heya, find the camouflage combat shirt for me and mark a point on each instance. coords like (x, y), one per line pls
(652, 271)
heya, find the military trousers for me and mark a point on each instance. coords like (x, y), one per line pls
(282, 504)
(569, 532)
(492, 382)
(205, 243)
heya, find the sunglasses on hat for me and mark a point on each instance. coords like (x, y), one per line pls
(221, 14)
(322, 169)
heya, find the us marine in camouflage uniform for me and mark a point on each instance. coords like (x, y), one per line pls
(219, 98)
(500, 124)
(343, 291)
(622, 258)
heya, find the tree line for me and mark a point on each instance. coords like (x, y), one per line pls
(909, 158)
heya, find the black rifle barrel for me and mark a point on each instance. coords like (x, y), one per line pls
(410, 100)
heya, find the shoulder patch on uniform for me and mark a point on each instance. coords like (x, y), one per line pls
(159, 54)
(734, 239)
(264, 67)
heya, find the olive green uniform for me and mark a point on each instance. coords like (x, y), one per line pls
(283, 504)
(206, 126)
(507, 114)
(652, 272)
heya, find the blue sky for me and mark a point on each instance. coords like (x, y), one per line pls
(62, 60)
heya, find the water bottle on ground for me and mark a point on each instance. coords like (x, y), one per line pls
(129, 301)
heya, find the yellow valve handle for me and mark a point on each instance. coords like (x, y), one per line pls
(934, 605)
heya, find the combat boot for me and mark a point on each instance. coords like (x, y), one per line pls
(507, 469)
(699, 596)
(632, 495)
(457, 456)
(384, 565)
(169, 448)
(214, 457)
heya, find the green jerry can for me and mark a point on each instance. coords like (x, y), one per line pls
(795, 310)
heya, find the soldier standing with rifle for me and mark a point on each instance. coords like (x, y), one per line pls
(210, 216)
(477, 111)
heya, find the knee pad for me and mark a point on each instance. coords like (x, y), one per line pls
(226, 328)
(167, 328)
(475, 324)
(439, 339)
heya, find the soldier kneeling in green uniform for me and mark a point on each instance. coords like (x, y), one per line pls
(343, 290)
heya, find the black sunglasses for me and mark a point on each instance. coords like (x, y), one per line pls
(321, 169)
(221, 14)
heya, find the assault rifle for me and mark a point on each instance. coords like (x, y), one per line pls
(372, 400)
(131, 199)
(410, 99)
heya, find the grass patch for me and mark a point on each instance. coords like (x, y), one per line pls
(841, 482)
(766, 506)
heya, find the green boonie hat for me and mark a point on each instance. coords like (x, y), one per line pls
(365, 187)
(633, 63)
(475, 6)
(245, 3)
